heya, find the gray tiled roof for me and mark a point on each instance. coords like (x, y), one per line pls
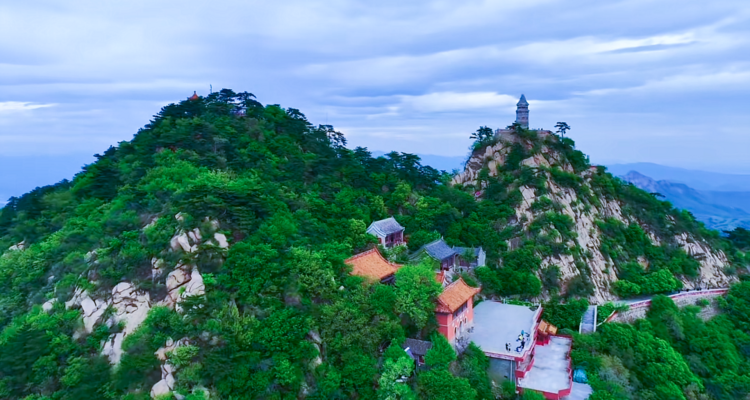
(417, 347)
(385, 227)
(439, 250)
(522, 101)
(462, 250)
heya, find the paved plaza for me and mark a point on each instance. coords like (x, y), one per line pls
(496, 324)
(550, 372)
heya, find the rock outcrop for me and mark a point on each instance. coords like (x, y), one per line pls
(166, 384)
(713, 263)
(599, 268)
(18, 246)
(129, 309)
(130, 306)
(183, 282)
(91, 308)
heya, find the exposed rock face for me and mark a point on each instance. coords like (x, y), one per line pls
(221, 240)
(184, 281)
(601, 269)
(47, 306)
(712, 262)
(92, 309)
(112, 348)
(189, 241)
(157, 267)
(18, 246)
(130, 308)
(166, 384)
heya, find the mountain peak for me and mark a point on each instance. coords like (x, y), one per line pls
(563, 208)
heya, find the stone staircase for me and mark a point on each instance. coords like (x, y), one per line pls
(588, 321)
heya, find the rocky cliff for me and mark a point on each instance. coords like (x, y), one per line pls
(551, 178)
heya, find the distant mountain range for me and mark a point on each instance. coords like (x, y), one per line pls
(700, 180)
(717, 209)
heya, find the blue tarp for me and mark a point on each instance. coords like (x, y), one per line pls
(579, 375)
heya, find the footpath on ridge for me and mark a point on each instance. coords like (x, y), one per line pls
(637, 308)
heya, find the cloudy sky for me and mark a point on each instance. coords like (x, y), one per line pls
(662, 81)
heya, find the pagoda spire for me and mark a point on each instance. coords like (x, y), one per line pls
(522, 112)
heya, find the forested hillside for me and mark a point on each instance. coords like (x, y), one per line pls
(204, 258)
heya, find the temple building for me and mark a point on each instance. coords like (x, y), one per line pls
(417, 349)
(439, 251)
(388, 231)
(373, 266)
(471, 257)
(455, 310)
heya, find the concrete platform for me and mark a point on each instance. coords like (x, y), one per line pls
(496, 324)
(581, 391)
(550, 371)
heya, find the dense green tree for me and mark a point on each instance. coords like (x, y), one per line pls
(441, 355)
(440, 384)
(392, 383)
(416, 291)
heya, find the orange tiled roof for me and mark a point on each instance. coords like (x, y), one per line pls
(454, 296)
(546, 327)
(372, 265)
(440, 277)
(194, 96)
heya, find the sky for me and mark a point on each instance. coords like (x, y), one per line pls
(664, 81)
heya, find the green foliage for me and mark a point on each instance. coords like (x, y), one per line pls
(391, 385)
(740, 237)
(516, 276)
(482, 137)
(532, 395)
(565, 316)
(421, 238)
(565, 179)
(473, 366)
(441, 355)
(416, 291)
(551, 277)
(440, 384)
(673, 353)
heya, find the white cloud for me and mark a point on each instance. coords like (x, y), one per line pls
(20, 106)
(453, 101)
(683, 83)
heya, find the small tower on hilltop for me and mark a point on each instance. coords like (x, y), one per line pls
(522, 112)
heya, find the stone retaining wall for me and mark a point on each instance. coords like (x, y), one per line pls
(638, 309)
